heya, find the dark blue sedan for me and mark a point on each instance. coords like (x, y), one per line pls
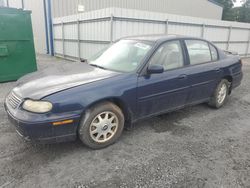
(133, 79)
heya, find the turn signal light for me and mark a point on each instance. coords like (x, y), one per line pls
(63, 122)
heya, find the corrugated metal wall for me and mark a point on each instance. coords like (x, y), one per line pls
(38, 23)
(15, 3)
(196, 8)
(82, 35)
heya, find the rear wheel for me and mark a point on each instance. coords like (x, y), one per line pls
(220, 94)
(101, 126)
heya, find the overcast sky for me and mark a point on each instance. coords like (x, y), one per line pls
(238, 3)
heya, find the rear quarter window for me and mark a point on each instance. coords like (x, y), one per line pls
(214, 53)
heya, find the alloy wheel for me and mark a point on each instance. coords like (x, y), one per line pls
(222, 93)
(103, 127)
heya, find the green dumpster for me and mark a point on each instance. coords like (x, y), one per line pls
(17, 53)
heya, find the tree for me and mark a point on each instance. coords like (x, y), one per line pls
(244, 13)
(247, 4)
(227, 8)
(240, 14)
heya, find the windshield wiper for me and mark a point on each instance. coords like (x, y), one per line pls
(98, 66)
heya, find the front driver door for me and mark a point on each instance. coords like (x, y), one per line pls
(166, 91)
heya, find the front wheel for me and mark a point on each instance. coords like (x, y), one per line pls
(220, 94)
(101, 126)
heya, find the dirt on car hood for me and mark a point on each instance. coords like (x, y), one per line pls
(57, 78)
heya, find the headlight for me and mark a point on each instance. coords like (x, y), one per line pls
(37, 106)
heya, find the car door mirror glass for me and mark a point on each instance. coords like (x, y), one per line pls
(155, 69)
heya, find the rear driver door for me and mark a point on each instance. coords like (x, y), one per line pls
(204, 70)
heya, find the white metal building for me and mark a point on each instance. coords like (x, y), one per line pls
(195, 8)
(43, 12)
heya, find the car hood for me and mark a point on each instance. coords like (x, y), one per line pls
(59, 77)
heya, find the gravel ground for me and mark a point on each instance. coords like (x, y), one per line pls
(193, 147)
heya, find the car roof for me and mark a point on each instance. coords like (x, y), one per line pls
(158, 37)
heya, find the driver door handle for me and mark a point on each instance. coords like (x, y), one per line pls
(218, 70)
(182, 76)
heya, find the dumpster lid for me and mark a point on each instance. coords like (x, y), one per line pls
(8, 10)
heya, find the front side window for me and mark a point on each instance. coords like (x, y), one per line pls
(123, 56)
(169, 55)
(198, 51)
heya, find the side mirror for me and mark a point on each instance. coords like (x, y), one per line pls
(155, 69)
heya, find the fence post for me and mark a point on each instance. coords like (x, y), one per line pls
(248, 44)
(166, 27)
(78, 39)
(51, 28)
(111, 28)
(63, 40)
(203, 30)
(229, 37)
(22, 4)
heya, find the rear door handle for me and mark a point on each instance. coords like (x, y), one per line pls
(183, 76)
(218, 70)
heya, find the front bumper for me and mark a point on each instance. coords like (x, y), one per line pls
(45, 131)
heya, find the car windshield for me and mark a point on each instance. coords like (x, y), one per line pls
(123, 56)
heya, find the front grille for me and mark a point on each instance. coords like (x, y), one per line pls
(14, 100)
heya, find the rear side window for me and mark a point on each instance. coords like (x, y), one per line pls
(199, 51)
(214, 53)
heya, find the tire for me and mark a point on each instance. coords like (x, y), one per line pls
(102, 125)
(220, 94)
